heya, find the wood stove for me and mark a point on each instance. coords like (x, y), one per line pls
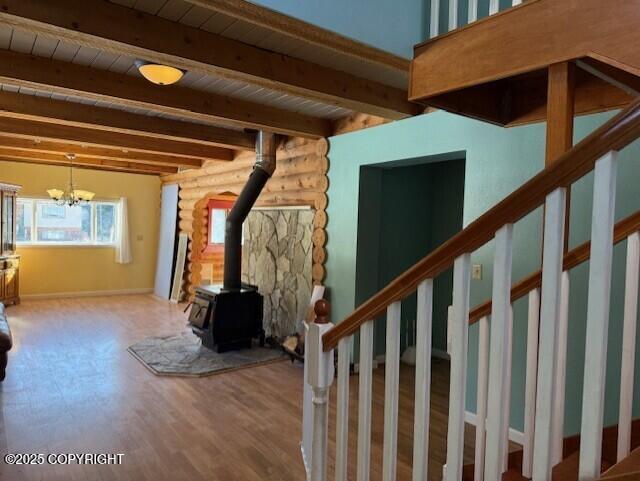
(228, 317)
(227, 320)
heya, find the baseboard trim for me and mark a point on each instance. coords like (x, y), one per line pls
(514, 435)
(115, 292)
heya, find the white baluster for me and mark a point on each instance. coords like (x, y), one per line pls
(494, 6)
(628, 345)
(473, 11)
(516, 2)
(500, 313)
(598, 301)
(533, 319)
(549, 315)
(483, 386)
(321, 373)
(364, 401)
(507, 392)
(391, 386)
(307, 407)
(342, 407)
(434, 27)
(457, 389)
(423, 380)
(453, 14)
(449, 328)
(561, 369)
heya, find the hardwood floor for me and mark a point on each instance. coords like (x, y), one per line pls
(72, 387)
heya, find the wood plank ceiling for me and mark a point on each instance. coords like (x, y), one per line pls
(68, 81)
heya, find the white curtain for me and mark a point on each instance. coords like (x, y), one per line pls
(123, 243)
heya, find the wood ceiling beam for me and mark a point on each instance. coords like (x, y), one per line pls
(124, 155)
(78, 80)
(31, 107)
(98, 138)
(300, 30)
(113, 28)
(59, 159)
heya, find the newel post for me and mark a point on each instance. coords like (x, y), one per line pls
(319, 375)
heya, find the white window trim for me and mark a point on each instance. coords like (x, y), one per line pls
(94, 219)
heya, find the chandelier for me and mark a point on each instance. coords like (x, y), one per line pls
(71, 196)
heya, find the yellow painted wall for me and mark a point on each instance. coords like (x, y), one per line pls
(65, 269)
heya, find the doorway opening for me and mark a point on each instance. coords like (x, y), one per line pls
(406, 210)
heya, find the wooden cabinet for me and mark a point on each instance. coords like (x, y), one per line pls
(9, 261)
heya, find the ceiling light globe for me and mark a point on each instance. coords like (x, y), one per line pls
(159, 74)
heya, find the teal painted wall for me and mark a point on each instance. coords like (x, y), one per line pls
(406, 211)
(384, 24)
(497, 162)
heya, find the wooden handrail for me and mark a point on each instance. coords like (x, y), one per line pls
(615, 134)
(573, 258)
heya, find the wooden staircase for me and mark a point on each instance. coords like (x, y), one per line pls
(567, 469)
(541, 59)
(626, 470)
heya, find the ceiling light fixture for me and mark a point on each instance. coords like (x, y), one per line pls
(71, 196)
(159, 74)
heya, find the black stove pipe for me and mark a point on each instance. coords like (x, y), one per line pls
(262, 171)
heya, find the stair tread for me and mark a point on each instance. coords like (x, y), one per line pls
(513, 475)
(567, 469)
(630, 464)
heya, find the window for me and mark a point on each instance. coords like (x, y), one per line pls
(105, 223)
(218, 211)
(53, 211)
(217, 223)
(42, 221)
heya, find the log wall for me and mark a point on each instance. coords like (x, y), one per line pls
(300, 178)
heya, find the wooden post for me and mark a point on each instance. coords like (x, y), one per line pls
(560, 100)
(560, 113)
(320, 372)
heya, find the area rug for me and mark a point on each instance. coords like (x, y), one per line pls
(183, 355)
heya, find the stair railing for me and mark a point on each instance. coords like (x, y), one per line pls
(454, 20)
(628, 230)
(596, 152)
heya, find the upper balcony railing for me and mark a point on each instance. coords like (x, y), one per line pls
(456, 15)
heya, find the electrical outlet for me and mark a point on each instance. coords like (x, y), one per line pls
(139, 238)
(476, 272)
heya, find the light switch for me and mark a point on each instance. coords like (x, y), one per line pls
(476, 272)
(139, 237)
